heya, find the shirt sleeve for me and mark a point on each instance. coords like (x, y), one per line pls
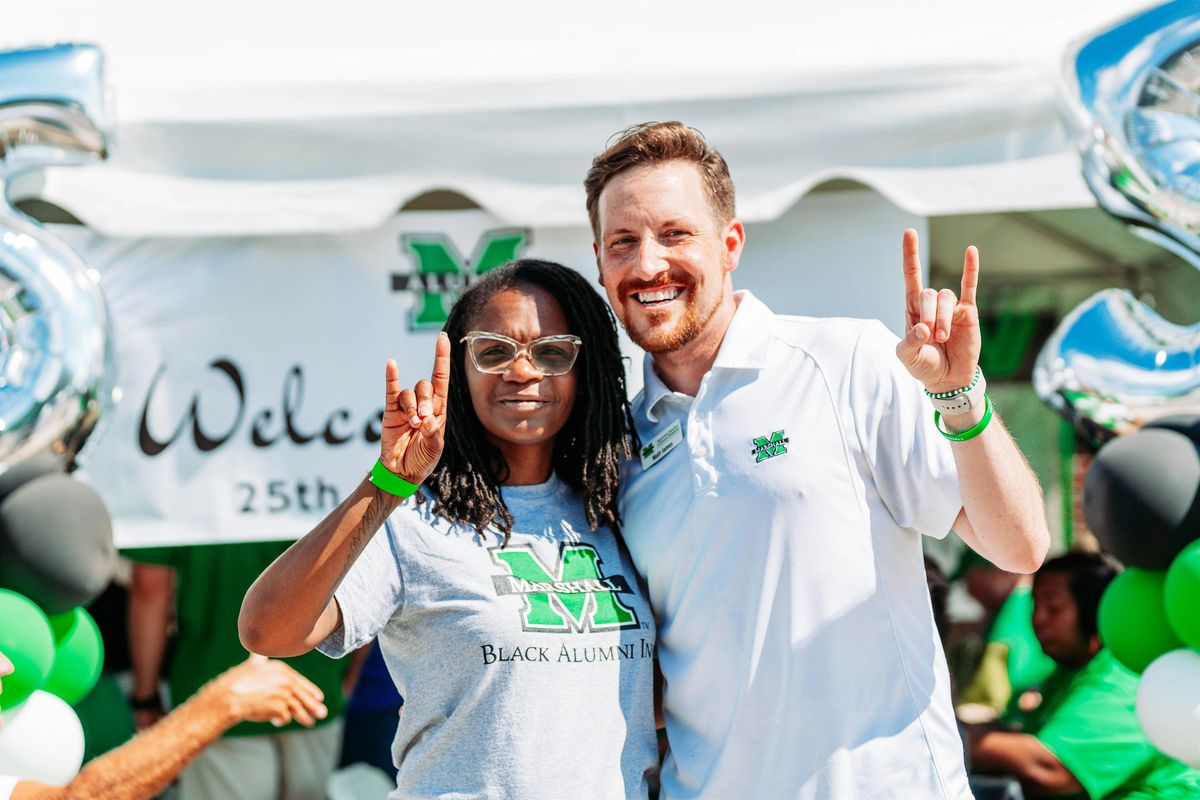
(1094, 732)
(911, 463)
(7, 784)
(370, 594)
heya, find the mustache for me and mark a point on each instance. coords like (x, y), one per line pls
(631, 285)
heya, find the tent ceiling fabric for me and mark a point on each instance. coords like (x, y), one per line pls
(1044, 246)
(285, 123)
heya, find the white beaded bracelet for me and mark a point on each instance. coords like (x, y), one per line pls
(961, 400)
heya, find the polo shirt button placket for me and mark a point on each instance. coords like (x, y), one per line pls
(695, 451)
(700, 441)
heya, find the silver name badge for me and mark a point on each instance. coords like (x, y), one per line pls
(662, 444)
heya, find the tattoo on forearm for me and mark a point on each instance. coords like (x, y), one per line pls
(377, 511)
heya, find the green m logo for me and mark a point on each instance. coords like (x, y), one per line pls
(574, 596)
(441, 273)
(765, 448)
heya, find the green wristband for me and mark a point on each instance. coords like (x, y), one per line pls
(969, 433)
(390, 482)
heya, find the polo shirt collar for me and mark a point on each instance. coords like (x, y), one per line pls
(653, 389)
(744, 347)
(745, 342)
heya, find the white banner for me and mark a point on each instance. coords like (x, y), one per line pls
(251, 369)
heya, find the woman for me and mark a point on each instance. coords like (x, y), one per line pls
(507, 609)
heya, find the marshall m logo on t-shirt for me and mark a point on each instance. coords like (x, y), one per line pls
(572, 595)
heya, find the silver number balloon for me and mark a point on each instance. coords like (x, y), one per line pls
(55, 342)
(1113, 364)
(1135, 92)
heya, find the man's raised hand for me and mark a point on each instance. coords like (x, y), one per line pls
(941, 343)
(414, 420)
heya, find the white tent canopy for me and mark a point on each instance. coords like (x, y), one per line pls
(258, 274)
(235, 118)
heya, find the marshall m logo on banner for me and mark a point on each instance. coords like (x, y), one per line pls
(440, 273)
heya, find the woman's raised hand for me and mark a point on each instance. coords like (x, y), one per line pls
(414, 420)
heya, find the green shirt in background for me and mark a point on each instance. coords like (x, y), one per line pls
(1028, 665)
(1087, 720)
(1012, 659)
(210, 582)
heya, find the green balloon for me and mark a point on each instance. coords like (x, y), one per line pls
(28, 641)
(78, 657)
(1181, 595)
(1132, 620)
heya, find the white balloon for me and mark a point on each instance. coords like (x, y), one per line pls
(1168, 705)
(41, 740)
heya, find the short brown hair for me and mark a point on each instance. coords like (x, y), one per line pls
(654, 143)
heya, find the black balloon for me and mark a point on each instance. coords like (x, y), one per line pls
(23, 472)
(1140, 496)
(56, 544)
(1187, 424)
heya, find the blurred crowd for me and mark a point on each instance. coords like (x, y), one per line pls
(1045, 708)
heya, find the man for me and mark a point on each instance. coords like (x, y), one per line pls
(256, 689)
(787, 467)
(1084, 737)
(203, 587)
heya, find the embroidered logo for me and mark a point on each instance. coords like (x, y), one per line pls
(768, 447)
(571, 595)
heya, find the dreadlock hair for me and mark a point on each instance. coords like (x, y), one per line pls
(597, 435)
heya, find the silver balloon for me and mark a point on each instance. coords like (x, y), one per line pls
(1113, 365)
(55, 342)
(1135, 89)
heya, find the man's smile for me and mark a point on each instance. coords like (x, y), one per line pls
(657, 297)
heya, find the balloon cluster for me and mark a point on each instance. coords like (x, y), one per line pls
(1142, 500)
(56, 544)
(56, 555)
(56, 662)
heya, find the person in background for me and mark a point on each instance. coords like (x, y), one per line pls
(1084, 738)
(939, 595)
(371, 715)
(201, 589)
(1011, 661)
(257, 689)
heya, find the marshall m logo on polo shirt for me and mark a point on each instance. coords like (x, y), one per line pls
(769, 446)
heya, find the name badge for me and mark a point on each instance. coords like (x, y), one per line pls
(662, 444)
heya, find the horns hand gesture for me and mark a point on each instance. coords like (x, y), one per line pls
(941, 344)
(414, 420)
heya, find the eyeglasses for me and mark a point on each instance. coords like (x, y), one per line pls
(550, 355)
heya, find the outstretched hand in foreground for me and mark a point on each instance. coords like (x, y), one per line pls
(262, 690)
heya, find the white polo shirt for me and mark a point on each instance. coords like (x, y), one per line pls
(780, 542)
(7, 785)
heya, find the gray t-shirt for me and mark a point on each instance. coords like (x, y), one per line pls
(527, 670)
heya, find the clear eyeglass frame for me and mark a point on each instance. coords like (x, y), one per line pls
(531, 350)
